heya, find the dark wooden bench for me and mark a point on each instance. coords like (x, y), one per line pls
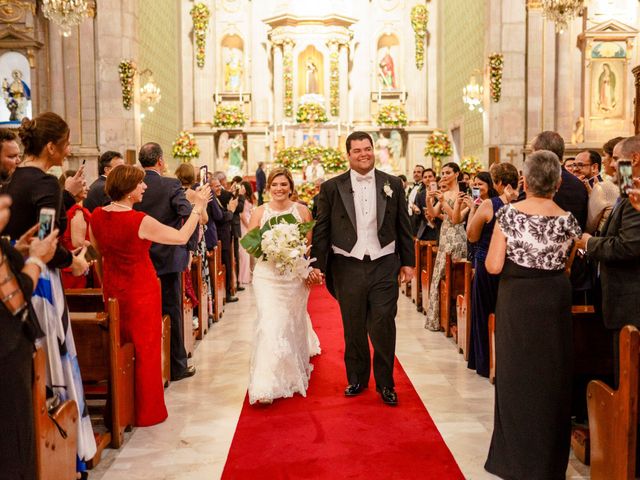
(613, 416)
(421, 248)
(56, 432)
(187, 319)
(426, 272)
(453, 283)
(107, 367)
(218, 273)
(463, 310)
(202, 293)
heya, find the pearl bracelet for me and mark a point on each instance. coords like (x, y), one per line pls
(36, 261)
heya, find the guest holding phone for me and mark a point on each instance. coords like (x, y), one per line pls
(484, 289)
(453, 238)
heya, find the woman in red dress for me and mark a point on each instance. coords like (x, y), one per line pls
(122, 237)
(76, 234)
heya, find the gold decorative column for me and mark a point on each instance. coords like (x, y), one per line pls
(287, 74)
(636, 107)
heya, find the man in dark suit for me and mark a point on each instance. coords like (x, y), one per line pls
(261, 182)
(223, 226)
(617, 251)
(165, 201)
(572, 195)
(96, 197)
(362, 242)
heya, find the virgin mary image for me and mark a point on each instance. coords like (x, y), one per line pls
(606, 89)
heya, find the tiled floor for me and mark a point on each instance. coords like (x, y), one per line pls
(203, 411)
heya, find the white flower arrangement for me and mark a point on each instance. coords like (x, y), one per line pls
(282, 242)
(388, 190)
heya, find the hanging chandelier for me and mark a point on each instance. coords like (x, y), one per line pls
(473, 94)
(65, 13)
(149, 92)
(561, 12)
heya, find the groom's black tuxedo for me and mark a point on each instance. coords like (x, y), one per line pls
(367, 290)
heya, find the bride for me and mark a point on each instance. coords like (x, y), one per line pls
(284, 339)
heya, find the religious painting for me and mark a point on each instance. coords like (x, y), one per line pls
(388, 150)
(15, 73)
(310, 72)
(607, 88)
(310, 139)
(387, 62)
(609, 50)
(232, 63)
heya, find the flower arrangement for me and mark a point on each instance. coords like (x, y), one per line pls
(471, 164)
(297, 158)
(185, 147)
(334, 84)
(392, 115)
(229, 116)
(282, 242)
(438, 146)
(200, 15)
(311, 113)
(287, 71)
(419, 19)
(127, 71)
(496, 64)
(306, 192)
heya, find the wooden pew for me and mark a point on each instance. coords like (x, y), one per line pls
(219, 275)
(187, 320)
(463, 310)
(107, 370)
(492, 347)
(91, 300)
(200, 287)
(234, 277)
(452, 284)
(613, 416)
(55, 451)
(426, 272)
(421, 248)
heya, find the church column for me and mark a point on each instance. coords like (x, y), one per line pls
(203, 79)
(535, 69)
(287, 77)
(636, 104)
(335, 69)
(344, 82)
(278, 86)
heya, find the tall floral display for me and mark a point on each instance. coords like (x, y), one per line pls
(127, 72)
(438, 147)
(185, 147)
(496, 64)
(297, 158)
(311, 113)
(229, 116)
(200, 15)
(471, 165)
(419, 19)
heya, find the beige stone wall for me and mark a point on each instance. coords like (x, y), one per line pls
(159, 35)
(462, 39)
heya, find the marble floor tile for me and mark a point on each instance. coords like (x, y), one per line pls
(194, 442)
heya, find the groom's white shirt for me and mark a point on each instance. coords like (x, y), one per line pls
(364, 198)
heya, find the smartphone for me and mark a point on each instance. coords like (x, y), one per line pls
(463, 187)
(433, 187)
(625, 177)
(475, 194)
(46, 220)
(204, 172)
(84, 162)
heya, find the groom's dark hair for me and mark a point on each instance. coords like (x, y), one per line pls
(358, 136)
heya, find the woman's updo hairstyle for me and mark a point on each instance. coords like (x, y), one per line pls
(123, 180)
(278, 171)
(453, 166)
(37, 132)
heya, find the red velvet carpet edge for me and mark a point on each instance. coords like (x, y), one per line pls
(326, 435)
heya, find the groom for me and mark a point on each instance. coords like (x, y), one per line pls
(362, 242)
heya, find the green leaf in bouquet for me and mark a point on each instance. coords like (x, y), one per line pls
(306, 227)
(252, 242)
(286, 218)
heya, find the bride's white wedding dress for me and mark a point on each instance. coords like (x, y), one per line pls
(284, 339)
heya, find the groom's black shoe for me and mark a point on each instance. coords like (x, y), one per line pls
(388, 395)
(353, 389)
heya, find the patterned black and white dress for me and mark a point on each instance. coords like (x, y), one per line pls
(532, 421)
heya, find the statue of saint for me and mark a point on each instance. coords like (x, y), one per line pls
(16, 95)
(233, 72)
(312, 77)
(386, 71)
(606, 89)
(236, 147)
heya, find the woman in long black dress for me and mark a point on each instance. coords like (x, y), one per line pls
(532, 420)
(18, 330)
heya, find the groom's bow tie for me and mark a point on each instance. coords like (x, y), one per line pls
(364, 178)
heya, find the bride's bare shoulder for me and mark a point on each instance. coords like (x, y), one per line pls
(304, 212)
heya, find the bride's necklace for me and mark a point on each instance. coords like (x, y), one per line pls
(126, 207)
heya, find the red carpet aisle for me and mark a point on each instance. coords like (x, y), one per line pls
(328, 436)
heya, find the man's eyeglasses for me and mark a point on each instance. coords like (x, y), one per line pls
(578, 165)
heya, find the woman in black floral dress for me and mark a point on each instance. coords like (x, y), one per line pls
(532, 422)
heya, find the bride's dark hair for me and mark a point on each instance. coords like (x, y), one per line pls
(280, 171)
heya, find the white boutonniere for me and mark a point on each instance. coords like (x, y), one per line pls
(387, 190)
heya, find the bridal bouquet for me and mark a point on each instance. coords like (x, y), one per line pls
(282, 242)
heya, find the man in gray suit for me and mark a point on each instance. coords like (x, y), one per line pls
(362, 242)
(617, 251)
